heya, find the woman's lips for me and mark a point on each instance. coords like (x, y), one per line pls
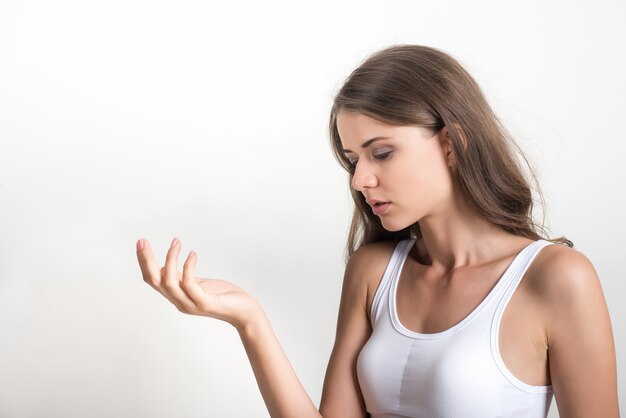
(380, 208)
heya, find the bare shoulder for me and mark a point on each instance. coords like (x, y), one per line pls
(560, 273)
(372, 252)
(567, 288)
(367, 266)
(578, 330)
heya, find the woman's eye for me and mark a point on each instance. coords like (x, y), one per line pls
(382, 156)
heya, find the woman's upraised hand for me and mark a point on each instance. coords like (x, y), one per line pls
(193, 295)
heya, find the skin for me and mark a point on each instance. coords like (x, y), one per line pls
(558, 312)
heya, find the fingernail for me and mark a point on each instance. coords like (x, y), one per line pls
(140, 244)
(174, 242)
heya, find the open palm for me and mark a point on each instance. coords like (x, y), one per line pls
(194, 295)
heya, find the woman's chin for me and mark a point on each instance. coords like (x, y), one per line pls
(391, 225)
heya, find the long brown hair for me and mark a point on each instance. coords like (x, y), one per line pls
(417, 85)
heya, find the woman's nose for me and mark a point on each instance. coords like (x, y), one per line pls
(363, 178)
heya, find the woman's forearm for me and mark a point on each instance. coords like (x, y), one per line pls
(282, 391)
(280, 387)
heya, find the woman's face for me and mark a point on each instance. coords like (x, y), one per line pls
(407, 168)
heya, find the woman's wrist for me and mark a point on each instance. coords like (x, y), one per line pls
(253, 319)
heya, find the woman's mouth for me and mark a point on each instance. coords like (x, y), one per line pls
(380, 208)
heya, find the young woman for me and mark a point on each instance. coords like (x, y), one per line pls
(454, 303)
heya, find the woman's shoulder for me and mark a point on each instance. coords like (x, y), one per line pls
(562, 276)
(367, 266)
(558, 263)
(577, 328)
(373, 256)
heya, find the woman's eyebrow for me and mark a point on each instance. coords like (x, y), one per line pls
(369, 141)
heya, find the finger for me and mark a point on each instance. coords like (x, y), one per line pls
(171, 280)
(149, 267)
(190, 284)
(170, 276)
(152, 274)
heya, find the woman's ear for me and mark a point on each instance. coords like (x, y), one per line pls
(447, 143)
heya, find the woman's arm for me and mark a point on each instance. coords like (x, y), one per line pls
(581, 349)
(341, 395)
(281, 389)
(282, 392)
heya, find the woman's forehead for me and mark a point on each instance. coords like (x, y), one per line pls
(357, 131)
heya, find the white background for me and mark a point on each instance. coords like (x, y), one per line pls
(132, 119)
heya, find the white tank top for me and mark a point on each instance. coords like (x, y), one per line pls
(449, 374)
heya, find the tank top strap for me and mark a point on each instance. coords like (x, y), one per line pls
(392, 271)
(516, 272)
(513, 280)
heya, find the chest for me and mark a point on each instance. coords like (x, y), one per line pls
(427, 306)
